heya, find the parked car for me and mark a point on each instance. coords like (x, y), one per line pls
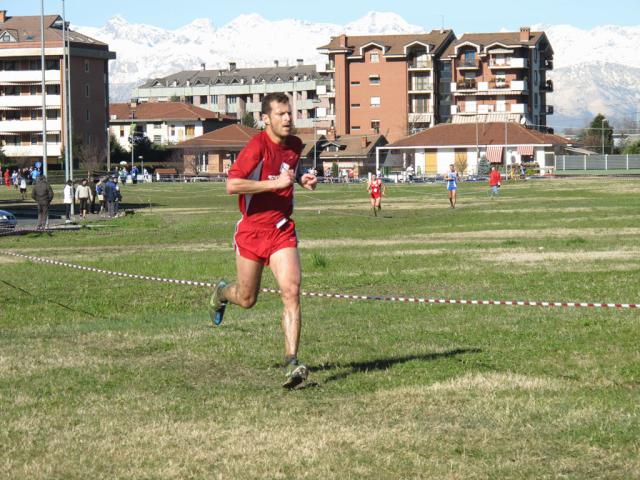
(7, 219)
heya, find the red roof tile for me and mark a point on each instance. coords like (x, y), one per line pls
(232, 137)
(160, 111)
(449, 135)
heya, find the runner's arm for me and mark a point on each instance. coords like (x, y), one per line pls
(244, 185)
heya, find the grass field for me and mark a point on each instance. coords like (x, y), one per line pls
(104, 377)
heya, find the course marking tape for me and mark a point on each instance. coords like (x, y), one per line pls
(445, 301)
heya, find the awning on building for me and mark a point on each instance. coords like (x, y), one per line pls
(494, 153)
(525, 149)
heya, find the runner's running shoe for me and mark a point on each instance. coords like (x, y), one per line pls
(216, 305)
(295, 373)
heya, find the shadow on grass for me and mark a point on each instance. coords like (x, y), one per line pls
(386, 363)
(33, 295)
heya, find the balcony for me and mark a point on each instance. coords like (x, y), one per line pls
(507, 63)
(29, 100)
(17, 126)
(53, 150)
(20, 76)
(464, 85)
(468, 64)
(420, 117)
(421, 87)
(420, 64)
(518, 108)
(251, 107)
(547, 110)
(547, 86)
(307, 104)
(547, 64)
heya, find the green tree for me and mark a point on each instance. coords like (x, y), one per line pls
(174, 98)
(248, 120)
(3, 157)
(632, 148)
(598, 136)
(334, 169)
(483, 166)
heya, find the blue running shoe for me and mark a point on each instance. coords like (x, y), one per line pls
(295, 373)
(216, 305)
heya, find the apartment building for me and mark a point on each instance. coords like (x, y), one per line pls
(162, 123)
(500, 77)
(21, 91)
(238, 91)
(386, 84)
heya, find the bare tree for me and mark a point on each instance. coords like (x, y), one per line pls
(92, 157)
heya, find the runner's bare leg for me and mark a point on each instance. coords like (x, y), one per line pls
(285, 265)
(244, 292)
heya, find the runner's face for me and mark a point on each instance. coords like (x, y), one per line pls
(278, 121)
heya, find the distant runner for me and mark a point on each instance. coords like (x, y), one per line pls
(494, 181)
(452, 178)
(375, 187)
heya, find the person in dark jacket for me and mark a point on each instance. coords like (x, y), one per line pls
(42, 193)
(110, 196)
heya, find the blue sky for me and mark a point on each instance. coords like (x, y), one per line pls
(461, 15)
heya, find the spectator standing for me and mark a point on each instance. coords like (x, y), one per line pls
(22, 183)
(7, 182)
(42, 194)
(83, 194)
(67, 198)
(110, 194)
(100, 195)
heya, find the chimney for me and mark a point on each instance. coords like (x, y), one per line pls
(232, 66)
(342, 41)
(331, 134)
(3, 16)
(299, 61)
(363, 142)
(276, 63)
(134, 103)
(204, 66)
(525, 34)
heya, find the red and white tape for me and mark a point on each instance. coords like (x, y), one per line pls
(440, 301)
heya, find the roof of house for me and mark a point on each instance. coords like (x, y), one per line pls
(240, 76)
(507, 39)
(161, 111)
(351, 146)
(26, 30)
(393, 44)
(308, 141)
(232, 137)
(450, 135)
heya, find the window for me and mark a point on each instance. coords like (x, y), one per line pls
(374, 79)
(87, 116)
(214, 99)
(35, 137)
(172, 130)
(33, 90)
(53, 114)
(86, 90)
(536, 100)
(375, 126)
(157, 138)
(121, 132)
(375, 101)
(355, 105)
(35, 115)
(87, 66)
(188, 99)
(355, 83)
(6, 37)
(374, 57)
(51, 65)
(34, 64)
(203, 99)
(355, 127)
(157, 126)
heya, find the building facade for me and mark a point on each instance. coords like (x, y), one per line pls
(501, 76)
(238, 91)
(164, 123)
(21, 122)
(385, 84)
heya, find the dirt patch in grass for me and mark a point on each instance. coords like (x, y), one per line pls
(542, 256)
(494, 382)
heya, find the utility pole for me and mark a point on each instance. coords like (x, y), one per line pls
(44, 98)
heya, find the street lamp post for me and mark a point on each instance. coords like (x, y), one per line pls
(141, 158)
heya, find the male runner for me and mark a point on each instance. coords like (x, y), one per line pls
(263, 177)
(452, 178)
(494, 181)
(375, 187)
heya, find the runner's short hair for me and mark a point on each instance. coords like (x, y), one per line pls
(277, 97)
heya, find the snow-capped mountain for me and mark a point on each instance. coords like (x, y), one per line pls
(596, 70)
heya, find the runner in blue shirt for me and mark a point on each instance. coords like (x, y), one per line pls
(452, 178)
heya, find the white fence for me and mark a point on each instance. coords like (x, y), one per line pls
(597, 162)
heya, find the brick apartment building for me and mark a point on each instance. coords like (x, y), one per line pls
(386, 84)
(500, 76)
(237, 91)
(397, 85)
(21, 92)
